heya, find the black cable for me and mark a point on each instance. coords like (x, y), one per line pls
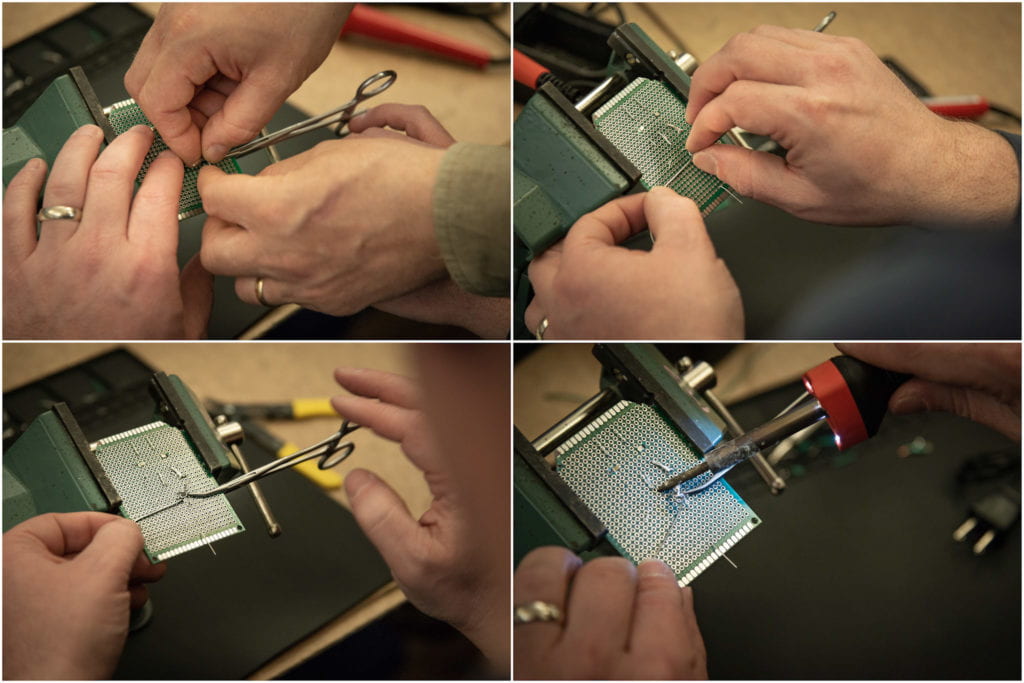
(594, 9)
(501, 32)
(497, 29)
(1004, 112)
(989, 465)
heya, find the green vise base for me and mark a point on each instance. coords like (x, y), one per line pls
(563, 168)
(52, 469)
(45, 126)
(547, 512)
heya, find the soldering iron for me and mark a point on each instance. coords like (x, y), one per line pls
(850, 394)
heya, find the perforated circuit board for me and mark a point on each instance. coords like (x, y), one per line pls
(646, 121)
(615, 465)
(150, 467)
(126, 114)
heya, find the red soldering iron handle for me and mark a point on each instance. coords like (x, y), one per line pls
(525, 70)
(368, 21)
(854, 395)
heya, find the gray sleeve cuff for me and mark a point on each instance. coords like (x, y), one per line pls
(471, 217)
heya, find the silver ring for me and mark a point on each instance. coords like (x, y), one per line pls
(542, 328)
(58, 213)
(259, 292)
(538, 610)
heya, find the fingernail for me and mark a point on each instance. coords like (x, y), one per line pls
(34, 164)
(655, 568)
(141, 128)
(901, 403)
(705, 161)
(89, 131)
(215, 153)
(357, 480)
(167, 154)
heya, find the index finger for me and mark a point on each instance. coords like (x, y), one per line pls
(988, 367)
(608, 225)
(386, 386)
(386, 420)
(415, 120)
(165, 96)
(745, 57)
(242, 199)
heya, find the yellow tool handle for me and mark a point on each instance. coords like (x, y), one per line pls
(327, 479)
(312, 407)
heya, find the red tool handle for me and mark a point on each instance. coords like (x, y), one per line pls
(526, 71)
(854, 396)
(958, 106)
(371, 22)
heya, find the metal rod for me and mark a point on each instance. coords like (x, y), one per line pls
(753, 442)
(773, 431)
(563, 429)
(594, 95)
(271, 149)
(776, 483)
(273, 528)
(823, 24)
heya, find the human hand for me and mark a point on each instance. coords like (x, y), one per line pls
(209, 76)
(69, 580)
(619, 621)
(452, 563)
(978, 381)
(338, 228)
(862, 150)
(114, 274)
(589, 288)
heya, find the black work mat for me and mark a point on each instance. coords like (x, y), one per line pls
(223, 615)
(853, 572)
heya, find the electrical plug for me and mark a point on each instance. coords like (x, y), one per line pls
(990, 517)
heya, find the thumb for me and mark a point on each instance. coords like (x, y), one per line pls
(383, 517)
(112, 552)
(919, 395)
(758, 175)
(675, 222)
(196, 297)
(246, 110)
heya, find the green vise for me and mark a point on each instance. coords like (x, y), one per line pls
(64, 107)
(52, 466)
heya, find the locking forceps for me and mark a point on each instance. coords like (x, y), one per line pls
(372, 86)
(330, 451)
